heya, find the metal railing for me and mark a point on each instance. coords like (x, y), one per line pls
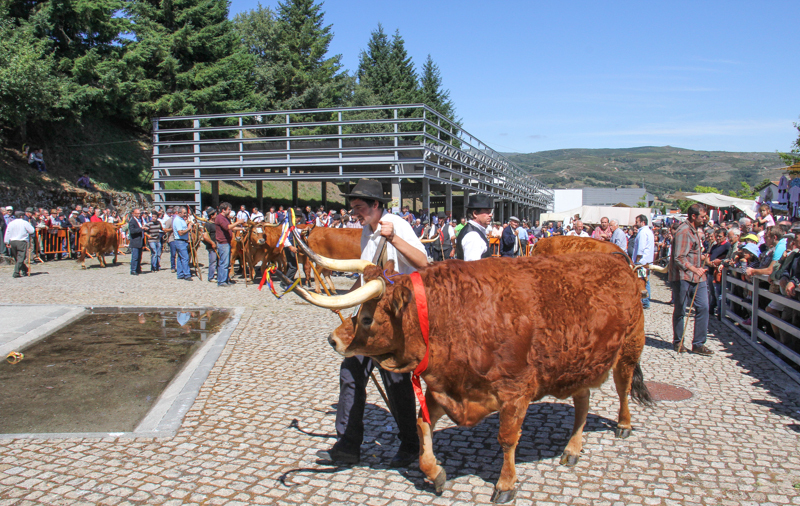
(782, 354)
(401, 141)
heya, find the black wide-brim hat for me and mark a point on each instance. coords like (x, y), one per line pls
(480, 201)
(368, 189)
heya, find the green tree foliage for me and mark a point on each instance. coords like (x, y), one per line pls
(706, 189)
(29, 88)
(290, 47)
(186, 59)
(793, 156)
(386, 70)
(431, 92)
(746, 191)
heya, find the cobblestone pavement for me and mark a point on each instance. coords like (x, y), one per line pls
(267, 406)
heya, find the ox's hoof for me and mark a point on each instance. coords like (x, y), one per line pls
(503, 496)
(569, 460)
(623, 433)
(439, 481)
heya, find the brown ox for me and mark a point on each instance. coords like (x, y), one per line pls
(539, 326)
(561, 244)
(335, 243)
(98, 238)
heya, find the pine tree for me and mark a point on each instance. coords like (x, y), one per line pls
(386, 69)
(431, 92)
(186, 59)
(404, 86)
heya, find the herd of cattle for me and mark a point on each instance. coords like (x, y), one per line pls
(504, 332)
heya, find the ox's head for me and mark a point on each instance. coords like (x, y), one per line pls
(384, 324)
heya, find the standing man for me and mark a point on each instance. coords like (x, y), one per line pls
(16, 240)
(522, 235)
(136, 242)
(603, 232)
(256, 216)
(618, 237)
(153, 232)
(578, 231)
(688, 279)
(443, 245)
(180, 231)
(368, 202)
(209, 239)
(170, 237)
(472, 243)
(508, 239)
(242, 215)
(643, 249)
(223, 235)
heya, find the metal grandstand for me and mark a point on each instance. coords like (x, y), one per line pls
(417, 153)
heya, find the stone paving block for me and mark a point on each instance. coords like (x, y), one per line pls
(734, 442)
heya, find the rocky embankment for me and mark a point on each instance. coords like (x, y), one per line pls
(55, 194)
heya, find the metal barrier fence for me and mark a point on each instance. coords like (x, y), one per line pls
(748, 298)
(64, 241)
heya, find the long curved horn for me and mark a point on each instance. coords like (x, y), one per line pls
(355, 265)
(659, 269)
(372, 290)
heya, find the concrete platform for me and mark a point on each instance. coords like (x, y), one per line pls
(266, 407)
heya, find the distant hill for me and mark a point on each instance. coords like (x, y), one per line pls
(663, 170)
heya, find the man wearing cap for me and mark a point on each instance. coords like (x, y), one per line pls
(472, 243)
(16, 239)
(509, 245)
(367, 202)
(688, 279)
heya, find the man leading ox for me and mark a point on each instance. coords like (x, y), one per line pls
(403, 247)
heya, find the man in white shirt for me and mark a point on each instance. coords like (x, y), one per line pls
(243, 215)
(472, 243)
(578, 231)
(618, 237)
(256, 217)
(643, 249)
(367, 201)
(16, 241)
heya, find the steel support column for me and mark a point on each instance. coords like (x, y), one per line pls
(294, 194)
(260, 195)
(397, 194)
(215, 193)
(464, 205)
(448, 200)
(426, 197)
(324, 190)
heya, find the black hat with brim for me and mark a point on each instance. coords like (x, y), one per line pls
(480, 201)
(368, 189)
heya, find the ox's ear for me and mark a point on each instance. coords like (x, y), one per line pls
(401, 296)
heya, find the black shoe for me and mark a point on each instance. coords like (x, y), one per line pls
(134, 273)
(404, 458)
(187, 279)
(702, 350)
(335, 455)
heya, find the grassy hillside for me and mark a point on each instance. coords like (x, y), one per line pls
(663, 170)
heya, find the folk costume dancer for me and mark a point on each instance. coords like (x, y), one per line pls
(367, 202)
(472, 243)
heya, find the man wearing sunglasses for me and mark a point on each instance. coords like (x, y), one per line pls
(472, 243)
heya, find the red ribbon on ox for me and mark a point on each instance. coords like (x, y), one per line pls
(422, 312)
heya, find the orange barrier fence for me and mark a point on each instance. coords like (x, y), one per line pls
(65, 241)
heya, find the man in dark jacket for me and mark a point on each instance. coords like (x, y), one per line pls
(136, 242)
(508, 241)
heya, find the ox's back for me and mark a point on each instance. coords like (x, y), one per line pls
(337, 243)
(560, 245)
(546, 325)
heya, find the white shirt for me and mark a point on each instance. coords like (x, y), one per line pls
(473, 244)
(257, 217)
(243, 215)
(18, 230)
(643, 245)
(369, 243)
(582, 234)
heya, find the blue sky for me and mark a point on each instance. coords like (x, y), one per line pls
(534, 76)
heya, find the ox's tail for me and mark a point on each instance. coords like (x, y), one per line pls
(639, 390)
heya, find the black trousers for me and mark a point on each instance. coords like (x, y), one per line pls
(19, 250)
(353, 378)
(291, 264)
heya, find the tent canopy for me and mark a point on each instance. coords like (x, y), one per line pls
(717, 200)
(626, 216)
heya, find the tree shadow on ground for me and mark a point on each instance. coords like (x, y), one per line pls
(654, 340)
